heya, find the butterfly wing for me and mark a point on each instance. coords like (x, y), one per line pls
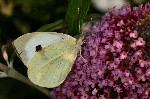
(50, 67)
(25, 45)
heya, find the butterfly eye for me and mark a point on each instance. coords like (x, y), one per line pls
(38, 48)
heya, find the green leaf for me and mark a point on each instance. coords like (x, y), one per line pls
(77, 10)
(50, 26)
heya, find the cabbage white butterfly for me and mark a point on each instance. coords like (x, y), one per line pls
(49, 56)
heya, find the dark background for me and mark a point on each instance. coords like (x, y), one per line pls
(24, 16)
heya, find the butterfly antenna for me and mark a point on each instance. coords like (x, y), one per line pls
(82, 56)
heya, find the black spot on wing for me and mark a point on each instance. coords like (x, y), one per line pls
(38, 48)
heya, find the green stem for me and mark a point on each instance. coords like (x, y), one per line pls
(11, 72)
(52, 26)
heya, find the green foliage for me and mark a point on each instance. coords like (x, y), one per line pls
(49, 26)
(77, 10)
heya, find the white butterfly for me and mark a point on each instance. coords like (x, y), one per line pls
(49, 56)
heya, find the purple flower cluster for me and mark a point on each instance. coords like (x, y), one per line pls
(116, 58)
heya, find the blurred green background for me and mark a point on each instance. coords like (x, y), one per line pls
(18, 17)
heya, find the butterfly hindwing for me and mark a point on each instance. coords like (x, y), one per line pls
(50, 67)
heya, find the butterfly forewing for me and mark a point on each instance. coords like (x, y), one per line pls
(25, 45)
